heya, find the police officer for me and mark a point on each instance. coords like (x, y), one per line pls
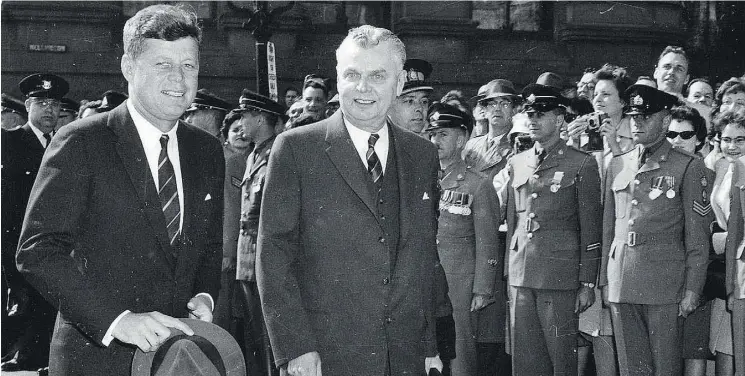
(656, 239)
(409, 110)
(488, 154)
(238, 305)
(67, 113)
(468, 245)
(13, 112)
(207, 112)
(553, 225)
(22, 151)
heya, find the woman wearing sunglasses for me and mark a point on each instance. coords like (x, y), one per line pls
(687, 130)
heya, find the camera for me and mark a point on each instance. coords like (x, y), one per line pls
(594, 138)
(522, 143)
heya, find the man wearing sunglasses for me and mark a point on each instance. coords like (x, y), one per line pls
(32, 318)
(655, 239)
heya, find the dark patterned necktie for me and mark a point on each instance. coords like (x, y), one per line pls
(168, 192)
(47, 137)
(373, 163)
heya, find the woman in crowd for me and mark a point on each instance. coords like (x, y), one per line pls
(232, 133)
(687, 132)
(315, 96)
(730, 96)
(730, 126)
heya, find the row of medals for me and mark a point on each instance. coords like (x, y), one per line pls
(657, 187)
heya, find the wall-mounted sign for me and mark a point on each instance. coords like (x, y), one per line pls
(47, 47)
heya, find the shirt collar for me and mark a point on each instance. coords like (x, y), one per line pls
(145, 128)
(39, 134)
(357, 133)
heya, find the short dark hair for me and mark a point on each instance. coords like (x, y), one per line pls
(230, 118)
(690, 114)
(615, 74)
(317, 82)
(675, 50)
(290, 88)
(700, 79)
(165, 22)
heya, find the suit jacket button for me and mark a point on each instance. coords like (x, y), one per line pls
(386, 281)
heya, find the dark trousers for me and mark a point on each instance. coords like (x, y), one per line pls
(738, 335)
(544, 332)
(492, 360)
(648, 339)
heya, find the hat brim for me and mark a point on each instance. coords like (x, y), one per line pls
(540, 107)
(499, 95)
(248, 107)
(229, 351)
(417, 88)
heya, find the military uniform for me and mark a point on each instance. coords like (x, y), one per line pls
(469, 248)
(239, 306)
(655, 245)
(553, 231)
(485, 156)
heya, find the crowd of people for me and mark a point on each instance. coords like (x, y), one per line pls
(594, 228)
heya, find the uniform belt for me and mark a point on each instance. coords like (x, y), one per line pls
(532, 224)
(634, 238)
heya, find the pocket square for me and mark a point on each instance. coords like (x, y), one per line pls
(425, 197)
(208, 197)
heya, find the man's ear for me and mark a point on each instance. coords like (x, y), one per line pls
(127, 66)
(27, 103)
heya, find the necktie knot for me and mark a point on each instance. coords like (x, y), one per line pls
(164, 141)
(372, 140)
(48, 138)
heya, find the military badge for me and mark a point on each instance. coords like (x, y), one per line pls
(236, 182)
(46, 84)
(656, 187)
(531, 98)
(556, 181)
(671, 186)
(701, 209)
(637, 100)
(704, 183)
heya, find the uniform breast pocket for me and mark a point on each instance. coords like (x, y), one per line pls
(254, 196)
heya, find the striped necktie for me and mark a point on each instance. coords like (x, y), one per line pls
(47, 137)
(168, 191)
(373, 163)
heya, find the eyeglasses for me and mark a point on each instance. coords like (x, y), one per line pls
(585, 85)
(497, 104)
(731, 103)
(686, 135)
(47, 102)
(739, 141)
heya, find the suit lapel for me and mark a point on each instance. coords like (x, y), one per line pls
(190, 175)
(30, 138)
(407, 178)
(132, 154)
(344, 156)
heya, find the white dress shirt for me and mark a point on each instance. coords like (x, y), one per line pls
(150, 138)
(360, 138)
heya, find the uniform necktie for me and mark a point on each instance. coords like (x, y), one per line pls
(47, 137)
(168, 191)
(373, 163)
(541, 156)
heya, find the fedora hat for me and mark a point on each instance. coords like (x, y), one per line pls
(210, 351)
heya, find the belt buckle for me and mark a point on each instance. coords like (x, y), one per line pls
(631, 239)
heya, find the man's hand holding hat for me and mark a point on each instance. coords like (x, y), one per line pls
(147, 330)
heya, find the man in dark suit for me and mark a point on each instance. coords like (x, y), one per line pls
(31, 318)
(553, 231)
(123, 228)
(346, 253)
(655, 239)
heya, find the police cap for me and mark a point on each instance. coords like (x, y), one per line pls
(542, 98)
(44, 85)
(417, 72)
(645, 100)
(442, 115)
(250, 101)
(204, 100)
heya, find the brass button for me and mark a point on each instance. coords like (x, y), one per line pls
(386, 281)
(531, 215)
(530, 235)
(631, 222)
(534, 195)
(634, 202)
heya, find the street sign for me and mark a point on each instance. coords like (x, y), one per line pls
(272, 71)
